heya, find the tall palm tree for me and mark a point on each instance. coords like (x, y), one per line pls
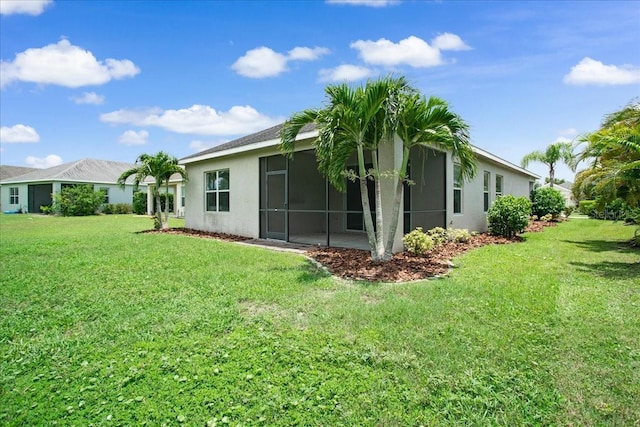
(429, 124)
(159, 166)
(557, 152)
(359, 120)
(355, 120)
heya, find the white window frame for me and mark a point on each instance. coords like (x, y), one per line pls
(458, 188)
(486, 197)
(217, 189)
(14, 195)
(499, 185)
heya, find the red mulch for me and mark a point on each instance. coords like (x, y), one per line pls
(356, 264)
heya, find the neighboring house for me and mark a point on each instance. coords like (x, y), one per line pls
(248, 188)
(7, 172)
(176, 187)
(29, 191)
(565, 190)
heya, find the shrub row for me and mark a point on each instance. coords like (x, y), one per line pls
(420, 242)
(118, 209)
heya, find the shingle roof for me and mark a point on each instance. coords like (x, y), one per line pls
(7, 171)
(85, 170)
(263, 135)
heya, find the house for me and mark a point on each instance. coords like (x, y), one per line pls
(7, 171)
(176, 187)
(29, 191)
(565, 190)
(248, 188)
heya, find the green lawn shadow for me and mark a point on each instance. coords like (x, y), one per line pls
(621, 246)
(611, 270)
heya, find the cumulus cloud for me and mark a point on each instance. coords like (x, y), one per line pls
(27, 7)
(88, 98)
(197, 120)
(344, 73)
(265, 62)
(592, 72)
(448, 41)
(370, 3)
(64, 64)
(43, 162)
(131, 137)
(18, 133)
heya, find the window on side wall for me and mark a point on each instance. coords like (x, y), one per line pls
(457, 189)
(498, 186)
(182, 196)
(217, 191)
(487, 183)
(14, 196)
(105, 190)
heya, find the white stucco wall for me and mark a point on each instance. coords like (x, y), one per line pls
(5, 204)
(473, 216)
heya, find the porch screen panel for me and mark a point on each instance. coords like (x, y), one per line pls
(307, 200)
(426, 206)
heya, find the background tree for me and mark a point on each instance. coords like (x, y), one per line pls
(556, 152)
(614, 155)
(160, 166)
(357, 121)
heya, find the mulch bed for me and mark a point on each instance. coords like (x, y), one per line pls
(356, 264)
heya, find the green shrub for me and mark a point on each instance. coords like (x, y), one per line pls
(163, 198)
(47, 209)
(568, 210)
(122, 209)
(438, 234)
(139, 203)
(585, 207)
(458, 235)
(78, 200)
(509, 215)
(418, 242)
(107, 209)
(547, 200)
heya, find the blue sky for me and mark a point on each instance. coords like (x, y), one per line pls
(114, 79)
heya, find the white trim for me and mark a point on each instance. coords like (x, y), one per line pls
(496, 159)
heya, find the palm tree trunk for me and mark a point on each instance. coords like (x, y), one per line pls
(366, 210)
(165, 224)
(397, 202)
(158, 212)
(552, 175)
(380, 252)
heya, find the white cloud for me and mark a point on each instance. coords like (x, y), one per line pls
(306, 53)
(592, 72)
(197, 119)
(265, 62)
(370, 3)
(18, 133)
(344, 73)
(43, 162)
(64, 64)
(411, 51)
(88, 98)
(448, 41)
(568, 132)
(131, 137)
(27, 7)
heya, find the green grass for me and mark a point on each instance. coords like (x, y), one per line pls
(100, 325)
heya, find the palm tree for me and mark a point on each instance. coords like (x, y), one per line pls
(557, 152)
(160, 166)
(360, 120)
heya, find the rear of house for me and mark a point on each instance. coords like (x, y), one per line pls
(247, 187)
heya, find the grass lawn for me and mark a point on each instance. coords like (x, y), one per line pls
(100, 325)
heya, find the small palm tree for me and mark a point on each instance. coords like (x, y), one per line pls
(557, 152)
(160, 166)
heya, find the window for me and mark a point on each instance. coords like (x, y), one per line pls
(498, 186)
(217, 191)
(182, 188)
(457, 189)
(106, 195)
(487, 180)
(14, 197)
